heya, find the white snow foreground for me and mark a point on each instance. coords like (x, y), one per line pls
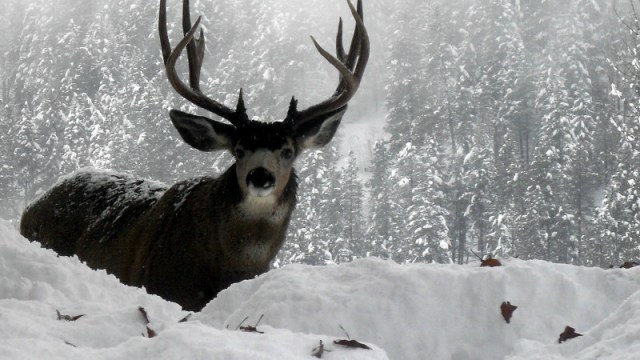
(410, 311)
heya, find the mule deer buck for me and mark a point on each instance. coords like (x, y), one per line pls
(189, 241)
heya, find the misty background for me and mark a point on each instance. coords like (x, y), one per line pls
(502, 127)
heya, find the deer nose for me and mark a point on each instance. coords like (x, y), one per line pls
(261, 178)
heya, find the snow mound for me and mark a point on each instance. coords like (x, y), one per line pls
(411, 311)
(444, 311)
(35, 283)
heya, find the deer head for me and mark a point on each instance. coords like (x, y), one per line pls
(264, 152)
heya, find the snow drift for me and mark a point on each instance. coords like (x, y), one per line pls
(401, 311)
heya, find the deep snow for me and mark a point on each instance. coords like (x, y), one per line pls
(403, 311)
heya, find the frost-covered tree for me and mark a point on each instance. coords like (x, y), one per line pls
(350, 213)
(427, 226)
(311, 229)
(619, 217)
(481, 199)
(565, 150)
(405, 87)
(547, 220)
(380, 205)
(618, 235)
(402, 181)
(27, 154)
(506, 110)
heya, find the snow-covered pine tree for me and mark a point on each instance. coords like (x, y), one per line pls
(619, 216)
(378, 232)
(547, 233)
(350, 196)
(309, 230)
(27, 155)
(427, 228)
(405, 87)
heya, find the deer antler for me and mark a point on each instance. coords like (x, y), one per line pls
(349, 77)
(350, 66)
(195, 54)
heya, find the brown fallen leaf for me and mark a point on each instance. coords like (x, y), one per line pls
(629, 265)
(348, 342)
(351, 343)
(490, 262)
(568, 333)
(507, 310)
(67, 317)
(150, 332)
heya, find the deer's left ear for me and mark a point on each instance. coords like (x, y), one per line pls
(203, 133)
(318, 132)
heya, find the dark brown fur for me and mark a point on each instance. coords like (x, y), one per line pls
(183, 243)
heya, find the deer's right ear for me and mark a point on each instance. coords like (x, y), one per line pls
(318, 131)
(202, 133)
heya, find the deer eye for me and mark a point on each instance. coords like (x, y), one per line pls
(239, 153)
(287, 154)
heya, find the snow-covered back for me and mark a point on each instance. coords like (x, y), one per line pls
(402, 311)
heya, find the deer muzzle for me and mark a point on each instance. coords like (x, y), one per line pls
(261, 182)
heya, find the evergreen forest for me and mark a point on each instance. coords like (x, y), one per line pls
(508, 128)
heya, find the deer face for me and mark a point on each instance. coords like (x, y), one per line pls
(264, 155)
(264, 152)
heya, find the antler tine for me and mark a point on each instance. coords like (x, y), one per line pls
(164, 34)
(195, 48)
(339, 47)
(363, 49)
(354, 50)
(195, 55)
(351, 69)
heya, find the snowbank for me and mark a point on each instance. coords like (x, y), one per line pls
(443, 311)
(35, 282)
(412, 312)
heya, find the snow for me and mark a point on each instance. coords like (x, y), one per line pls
(34, 283)
(413, 311)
